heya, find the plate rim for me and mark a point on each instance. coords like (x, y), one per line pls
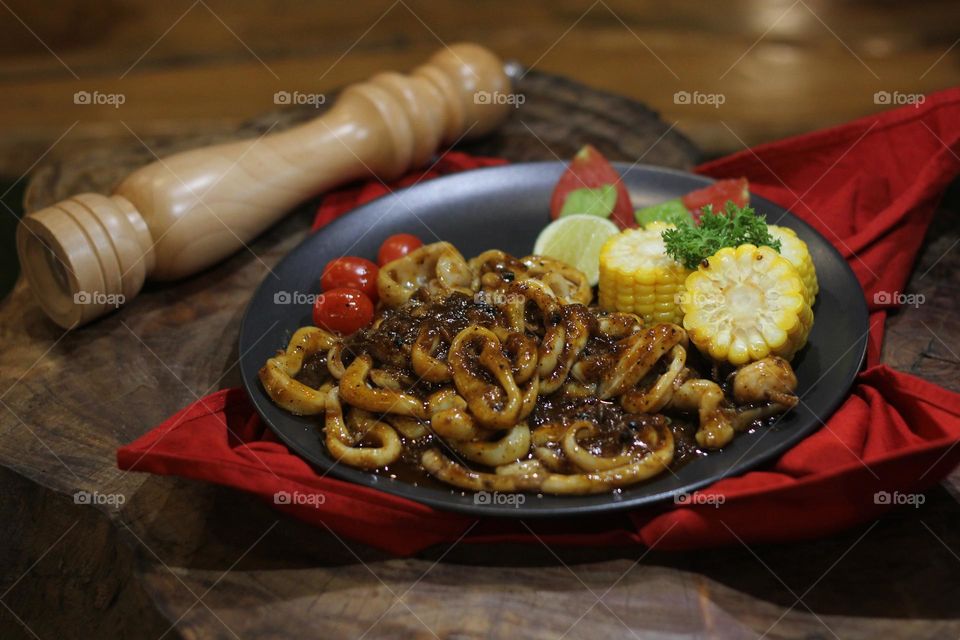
(424, 495)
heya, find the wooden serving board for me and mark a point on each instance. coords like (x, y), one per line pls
(188, 559)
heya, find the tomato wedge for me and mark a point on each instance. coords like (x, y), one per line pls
(589, 169)
(717, 194)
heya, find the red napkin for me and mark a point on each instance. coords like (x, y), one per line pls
(870, 187)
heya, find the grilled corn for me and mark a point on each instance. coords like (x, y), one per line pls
(795, 250)
(746, 303)
(637, 276)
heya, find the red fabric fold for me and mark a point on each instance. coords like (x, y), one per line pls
(870, 187)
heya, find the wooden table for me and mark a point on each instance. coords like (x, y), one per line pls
(783, 66)
(185, 559)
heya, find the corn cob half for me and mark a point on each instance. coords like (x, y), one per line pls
(637, 276)
(745, 303)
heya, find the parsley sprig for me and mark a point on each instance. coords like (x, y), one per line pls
(690, 245)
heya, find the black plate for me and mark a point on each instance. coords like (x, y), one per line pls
(505, 208)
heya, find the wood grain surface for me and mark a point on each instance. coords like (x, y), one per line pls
(783, 66)
(191, 560)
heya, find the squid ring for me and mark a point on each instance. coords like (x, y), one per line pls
(449, 417)
(601, 481)
(641, 351)
(385, 380)
(493, 269)
(557, 357)
(569, 285)
(356, 390)
(522, 351)
(438, 265)
(617, 325)
(582, 458)
(335, 361)
(546, 446)
(277, 375)
(510, 448)
(409, 428)
(514, 302)
(495, 406)
(422, 358)
(529, 397)
(342, 442)
(565, 330)
(655, 398)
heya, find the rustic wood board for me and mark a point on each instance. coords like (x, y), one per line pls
(194, 560)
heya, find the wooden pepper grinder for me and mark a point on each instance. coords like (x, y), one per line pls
(86, 255)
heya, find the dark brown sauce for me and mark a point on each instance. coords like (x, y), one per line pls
(394, 331)
(389, 340)
(314, 372)
(408, 468)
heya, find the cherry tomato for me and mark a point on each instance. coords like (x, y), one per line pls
(343, 310)
(397, 246)
(351, 272)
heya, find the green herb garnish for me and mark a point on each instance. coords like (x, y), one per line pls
(737, 225)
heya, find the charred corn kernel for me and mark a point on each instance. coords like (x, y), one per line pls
(746, 303)
(795, 250)
(637, 276)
